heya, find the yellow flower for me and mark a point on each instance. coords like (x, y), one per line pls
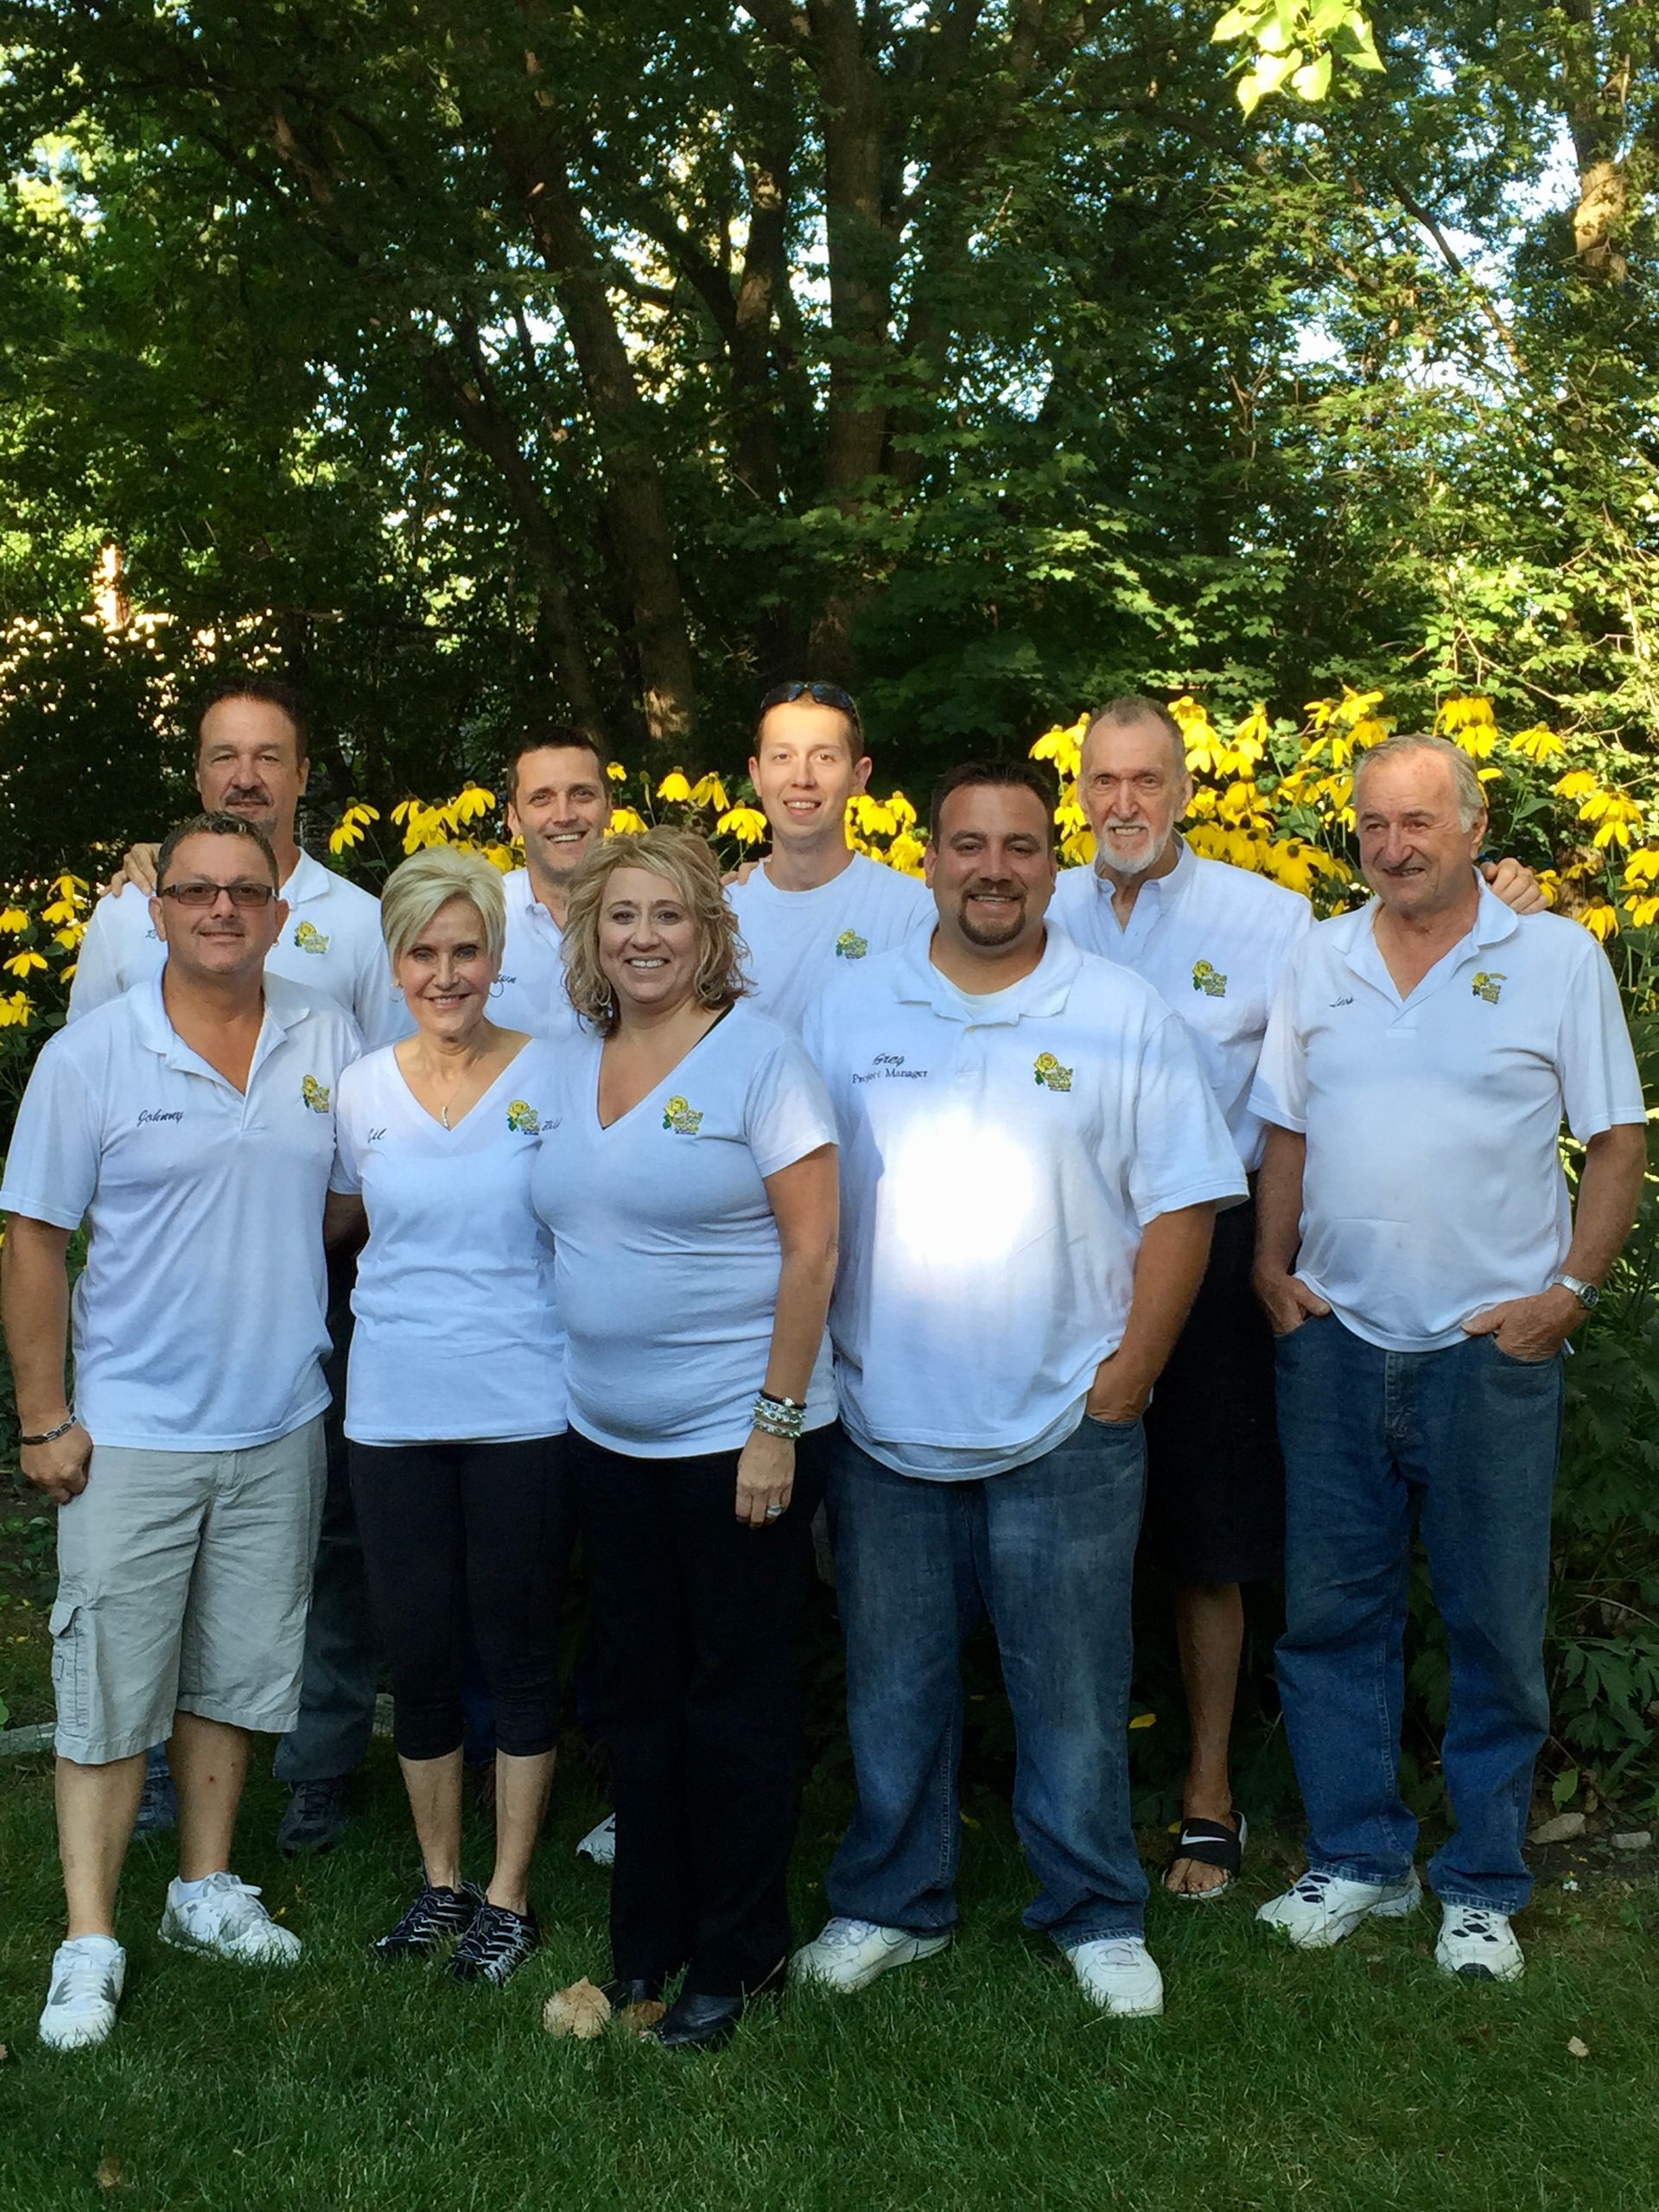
(1539, 743)
(746, 824)
(709, 790)
(673, 786)
(349, 829)
(869, 817)
(1600, 919)
(469, 804)
(616, 771)
(1064, 747)
(625, 823)
(24, 963)
(1578, 784)
(15, 1010)
(13, 918)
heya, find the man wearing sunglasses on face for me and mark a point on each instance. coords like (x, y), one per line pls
(190, 1123)
(813, 904)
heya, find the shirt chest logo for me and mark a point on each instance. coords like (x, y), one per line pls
(678, 1116)
(1207, 980)
(850, 946)
(310, 938)
(314, 1093)
(1489, 985)
(523, 1119)
(1050, 1075)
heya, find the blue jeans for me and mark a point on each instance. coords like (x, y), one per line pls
(1048, 1550)
(1468, 1438)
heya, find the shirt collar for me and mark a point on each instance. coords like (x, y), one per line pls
(1493, 923)
(518, 886)
(1162, 890)
(286, 1006)
(309, 881)
(1043, 991)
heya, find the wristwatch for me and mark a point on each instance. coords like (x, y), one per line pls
(1587, 1294)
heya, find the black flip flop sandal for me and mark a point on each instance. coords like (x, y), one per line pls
(1210, 1843)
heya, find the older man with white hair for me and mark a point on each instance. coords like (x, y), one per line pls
(1422, 1267)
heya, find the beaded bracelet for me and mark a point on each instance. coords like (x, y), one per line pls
(784, 1417)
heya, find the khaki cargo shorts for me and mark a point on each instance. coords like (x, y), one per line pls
(184, 1579)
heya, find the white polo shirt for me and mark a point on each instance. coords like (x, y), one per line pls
(1213, 941)
(667, 1256)
(529, 993)
(1000, 1160)
(455, 1335)
(331, 946)
(1434, 1184)
(198, 1319)
(798, 941)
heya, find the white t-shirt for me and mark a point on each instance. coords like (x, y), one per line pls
(456, 1336)
(799, 940)
(667, 1256)
(999, 1161)
(529, 993)
(1213, 941)
(1434, 1184)
(331, 946)
(199, 1319)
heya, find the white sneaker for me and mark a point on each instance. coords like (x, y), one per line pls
(1478, 1946)
(852, 1953)
(1119, 1973)
(87, 1977)
(226, 1918)
(600, 1844)
(1320, 1909)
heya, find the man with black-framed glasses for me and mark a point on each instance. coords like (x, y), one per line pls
(190, 1123)
(813, 905)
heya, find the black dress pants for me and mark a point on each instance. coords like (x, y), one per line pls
(698, 1635)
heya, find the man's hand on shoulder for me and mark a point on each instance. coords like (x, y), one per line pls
(1529, 1328)
(741, 874)
(137, 869)
(1516, 885)
(58, 1470)
(1286, 1300)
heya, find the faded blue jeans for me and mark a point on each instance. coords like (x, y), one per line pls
(1048, 1550)
(1467, 1439)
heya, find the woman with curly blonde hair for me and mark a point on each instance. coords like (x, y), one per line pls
(688, 1174)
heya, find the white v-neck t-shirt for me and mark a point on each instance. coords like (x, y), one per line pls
(199, 1317)
(1432, 1186)
(800, 941)
(667, 1256)
(456, 1336)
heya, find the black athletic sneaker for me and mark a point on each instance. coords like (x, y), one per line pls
(435, 1916)
(315, 1818)
(496, 1945)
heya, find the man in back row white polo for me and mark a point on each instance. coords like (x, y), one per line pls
(814, 906)
(557, 802)
(190, 1124)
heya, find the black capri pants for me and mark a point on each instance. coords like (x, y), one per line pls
(457, 1531)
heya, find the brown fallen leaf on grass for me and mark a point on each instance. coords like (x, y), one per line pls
(1577, 2048)
(108, 2174)
(636, 2018)
(581, 2011)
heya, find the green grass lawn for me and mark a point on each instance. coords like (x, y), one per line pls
(1354, 2079)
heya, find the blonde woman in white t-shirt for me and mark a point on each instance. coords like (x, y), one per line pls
(454, 1401)
(689, 1177)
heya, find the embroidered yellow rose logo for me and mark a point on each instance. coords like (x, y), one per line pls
(522, 1118)
(678, 1116)
(310, 938)
(850, 946)
(1489, 986)
(314, 1093)
(1050, 1075)
(1205, 979)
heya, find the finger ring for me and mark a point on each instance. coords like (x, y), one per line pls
(772, 1512)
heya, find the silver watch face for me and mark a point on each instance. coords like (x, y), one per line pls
(1587, 1294)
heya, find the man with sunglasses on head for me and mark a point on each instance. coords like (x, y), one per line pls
(190, 1123)
(253, 763)
(813, 905)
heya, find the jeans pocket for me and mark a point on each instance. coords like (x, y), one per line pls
(1122, 1427)
(1514, 1359)
(68, 1633)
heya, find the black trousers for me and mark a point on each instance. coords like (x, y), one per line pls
(698, 1635)
(451, 1531)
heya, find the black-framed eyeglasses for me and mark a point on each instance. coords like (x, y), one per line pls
(823, 694)
(200, 896)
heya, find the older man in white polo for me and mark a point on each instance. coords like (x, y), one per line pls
(1422, 1269)
(190, 1123)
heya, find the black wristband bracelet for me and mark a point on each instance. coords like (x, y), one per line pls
(50, 1435)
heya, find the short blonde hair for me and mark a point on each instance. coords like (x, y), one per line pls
(425, 883)
(686, 862)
